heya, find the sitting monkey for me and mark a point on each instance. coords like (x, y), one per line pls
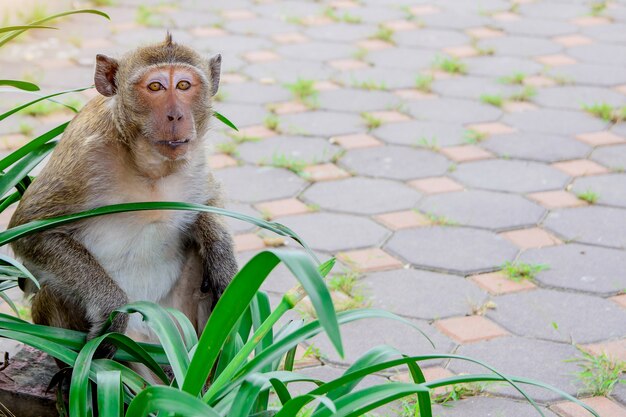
(142, 140)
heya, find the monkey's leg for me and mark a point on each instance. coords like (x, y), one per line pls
(52, 309)
(74, 273)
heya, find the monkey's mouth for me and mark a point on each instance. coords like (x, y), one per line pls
(173, 143)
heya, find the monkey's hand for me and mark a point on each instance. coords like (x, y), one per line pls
(118, 325)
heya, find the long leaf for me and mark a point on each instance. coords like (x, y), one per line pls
(23, 167)
(23, 28)
(224, 120)
(34, 144)
(168, 400)
(23, 106)
(190, 338)
(20, 267)
(110, 394)
(22, 85)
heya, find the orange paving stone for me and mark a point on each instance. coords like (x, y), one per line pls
(430, 374)
(238, 14)
(436, 185)
(288, 107)
(600, 138)
(621, 89)
(402, 219)
(289, 38)
(95, 43)
(207, 32)
(556, 199)
(413, 94)
(304, 360)
(496, 128)
(5, 216)
(343, 4)
(257, 132)
(261, 56)
(572, 40)
(539, 81)
(401, 25)
(247, 242)
(465, 153)
(219, 161)
(518, 106)
(534, 237)
(368, 260)
(470, 329)
(325, 85)
(615, 349)
(496, 283)
(484, 33)
(591, 21)
(580, 167)
(280, 208)
(318, 20)
(505, 16)
(373, 44)
(324, 172)
(603, 406)
(12, 141)
(619, 299)
(424, 10)
(390, 116)
(464, 51)
(356, 141)
(556, 60)
(347, 64)
(232, 78)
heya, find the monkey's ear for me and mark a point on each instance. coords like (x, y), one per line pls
(106, 68)
(215, 64)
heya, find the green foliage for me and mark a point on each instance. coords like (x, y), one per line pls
(280, 160)
(589, 196)
(599, 373)
(450, 65)
(384, 34)
(474, 136)
(493, 99)
(525, 94)
(597, 8)
(423, 83)
(371, 121)
(520, 271)
(147, 16)
(271, 122)
(370, 85)
(432, 143)
(304, 91)
(606, 112)
(346, 17)
(516, 78)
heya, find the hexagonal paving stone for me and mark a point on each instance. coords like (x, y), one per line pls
(538, 147)
(609, 33)
(304, 149)
(483, 406)
(288, 71)
(610, 188)
(456, 249)
(471, 87)
(516, 176)
(340, 32)
(573, 97)
(537, 27)
(395, 162)
(241, 114)
(604, 226)
(519, 356)
(257, 26)
(453, 110)
(418, 133)
(353, 100)
(362, 195)
(316, 51)
(431, 38)
(362, 335)
(520, 46)
(239, 226)
(559, 122)
(252, 184)
(390, 77)
(322, 123)
(600, 53)
(498, 66)
(486, 209)
(253, 93)
(334, 232)
(453, 20)
(611, 156)
(422, 294)
(402, 58)
(559, 316)
(604, 75)
(580, 267)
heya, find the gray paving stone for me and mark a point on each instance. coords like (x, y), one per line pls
(234, 44)
(471, 87)
(536, 359)
(322, 123)
(341, 32)
(455, 249)
(559, 316)
(316, 51)
(592, 74)
(490, 407)
(497, 66)
(362, 335)
(537, 147)
(258, 26)
(613, 157)
(575, 97)
(328, 373)
(619, 128)
(416, 133)
(282, 11)
(600, 54)
(610, 188)
(607, 33)
(431, 38)
(253, 184)
(395, 162)
(580, 267)
(553, 10)
(453, 110)
(239, 226)
(362, 195)
(145, 36)
(422, 294)
(288, 71)
(485, 6)
(402, 58)
(352, 100)
(377, 15)
(604, 226)
(619, 392)
(453, 20)
(537, 27)
(253, 93)
(515, 176)
(484, 209)
(336, 232)
(521, 46)
(391, 78)
(189, 18)
(308, 150)
(241, 115)
(558, 122)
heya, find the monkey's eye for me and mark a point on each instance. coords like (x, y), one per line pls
(155, 86)
(183, 85)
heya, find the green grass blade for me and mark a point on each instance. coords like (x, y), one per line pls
(20, 267)
(168, 400)
(23, 28)
(224, 120)
(246, 397)
(23, 167)
(190, 338)
(131, 379)
(23, 106)
(281, 390)
(10, 302)
(18, 154)
(9, 200)
(22, 85)
(55, 350)
(110, 394)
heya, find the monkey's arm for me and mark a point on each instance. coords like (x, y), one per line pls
(73, 271)
(216, 251)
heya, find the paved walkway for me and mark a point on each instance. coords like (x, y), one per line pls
(426, 145)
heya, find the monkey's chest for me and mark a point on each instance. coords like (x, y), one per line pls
(143, 254)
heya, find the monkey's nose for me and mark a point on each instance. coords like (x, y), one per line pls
(174, 116)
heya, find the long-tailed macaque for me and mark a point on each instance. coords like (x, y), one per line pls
(142, 140)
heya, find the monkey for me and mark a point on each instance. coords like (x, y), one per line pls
(141, 139)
